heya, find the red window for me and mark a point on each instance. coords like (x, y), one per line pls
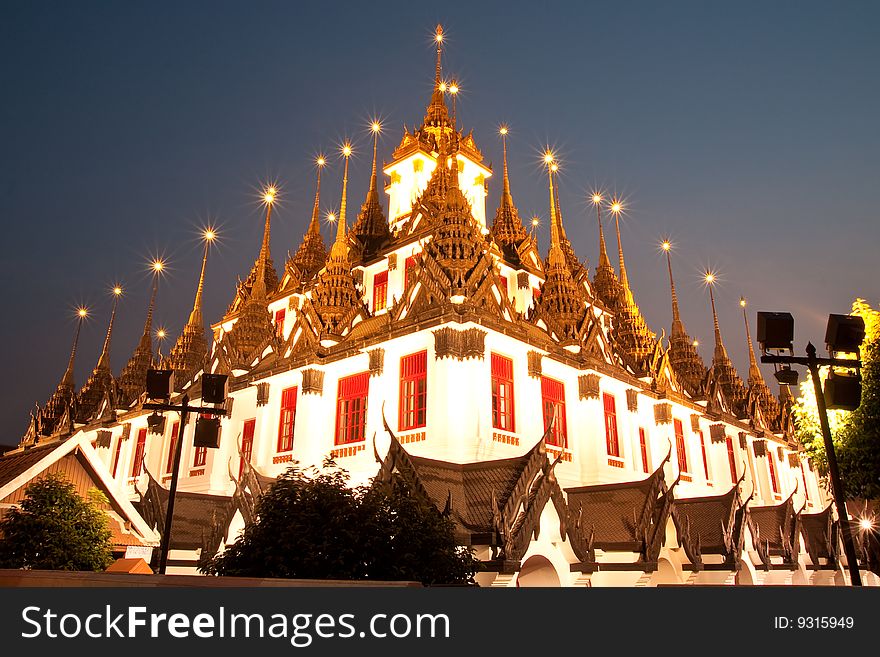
(643, 445)
(731, 458)
(703, 450)
(773, 481)
(200, 457)
(612, 444)
(140, 446)
(279, 322)
(408, 265)
(247, 444)
(553, 404)
(380, 291)
(169, 465)
(502, 283)
(502, 393)
(116, 455)
(681, 448)
(413, 390)
(288, 418)
(351, 408)
(536, 293)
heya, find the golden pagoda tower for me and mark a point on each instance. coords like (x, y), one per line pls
(507, 229)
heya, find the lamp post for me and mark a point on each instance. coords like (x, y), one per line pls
(845, 333)
(160, 385)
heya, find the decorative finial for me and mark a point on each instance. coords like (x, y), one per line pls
(438, 39)
(666, 245)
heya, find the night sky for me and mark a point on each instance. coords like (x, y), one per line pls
(746, 132)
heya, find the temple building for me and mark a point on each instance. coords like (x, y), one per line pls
(527, 396)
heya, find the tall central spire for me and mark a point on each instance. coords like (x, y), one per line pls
(437, 115)
(195, 316)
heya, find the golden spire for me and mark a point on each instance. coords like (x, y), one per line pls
(315, 223)
(104, 360)
(370, 231)
(683, 357)
(437, 115)
(133, 378)
(195, 317)
(616, 208)
(339, 247)
(677, 326)
(754, 371)
(507, 229)
(312, 254)
(604, 261)
(720, 351)
(67, 380)
(438, 39)
(555, 256)
(189, 351)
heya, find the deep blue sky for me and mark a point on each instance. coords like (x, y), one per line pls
(747, 132)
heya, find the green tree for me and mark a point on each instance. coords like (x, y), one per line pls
(54, 528)
(315, 526)
(855, 434)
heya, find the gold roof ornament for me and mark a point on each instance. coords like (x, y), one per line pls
(312, 252)
(133, 379)
(686, 363)
(100, 384)
(722, 370)
(370, 230)
(758, 391)
(189, 352)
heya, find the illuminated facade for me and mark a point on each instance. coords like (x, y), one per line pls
(525, 393)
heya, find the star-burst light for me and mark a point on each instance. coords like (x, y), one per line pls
(596, 198)
(82, 312)
(269, 194)
(346, 149)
